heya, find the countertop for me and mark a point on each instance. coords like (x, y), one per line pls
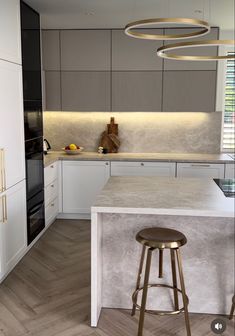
(165, 196)
(151, 157)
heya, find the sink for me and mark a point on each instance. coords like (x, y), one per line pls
(232, 156)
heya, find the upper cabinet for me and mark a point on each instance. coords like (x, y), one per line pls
(136, 91)
(31, 53)
(135, 54)
(199, 51)
(51, 50)
(189, 91)
(85, 50)
(105, 70)
(10, 40)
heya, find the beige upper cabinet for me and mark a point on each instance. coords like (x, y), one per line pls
(135, 54)
(189, 91)
(199, 51)
(85, 50)
(51, 50)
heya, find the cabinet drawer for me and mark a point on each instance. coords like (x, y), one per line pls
(142, 169)
(204, 170)
(50, 173)
(51, 211)
(230, 170)
(51, 191)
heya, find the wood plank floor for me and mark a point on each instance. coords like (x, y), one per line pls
(48, 294)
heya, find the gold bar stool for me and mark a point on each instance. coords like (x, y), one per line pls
(152, 239)
(232, 308)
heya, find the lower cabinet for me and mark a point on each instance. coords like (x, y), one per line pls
(200, 170)
(230, 170)
(82, 182)
(13, 227)
(143, 168)
(52, 185)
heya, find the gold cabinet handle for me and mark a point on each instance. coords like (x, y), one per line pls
(2, 171)
(1, 176)
(4, 209)
(200, 165)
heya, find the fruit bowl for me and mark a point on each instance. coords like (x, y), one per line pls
(73, 151)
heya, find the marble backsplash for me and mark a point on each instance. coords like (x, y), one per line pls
(186, 132)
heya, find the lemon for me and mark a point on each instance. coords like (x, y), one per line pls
(72, 147)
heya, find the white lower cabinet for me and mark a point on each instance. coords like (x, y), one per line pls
(51, 187)
(230, 170)
(143, 168)
(13, 227)
(215, 170)
(82, 182)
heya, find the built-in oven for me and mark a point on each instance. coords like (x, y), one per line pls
(34, 167)
(35, 216)
(33, 127)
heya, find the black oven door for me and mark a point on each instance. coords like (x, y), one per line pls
(36, 216)
(34, 167)
(33, 127)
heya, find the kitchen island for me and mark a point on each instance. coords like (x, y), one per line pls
(196, 207)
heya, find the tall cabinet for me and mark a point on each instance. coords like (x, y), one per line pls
(13, 233)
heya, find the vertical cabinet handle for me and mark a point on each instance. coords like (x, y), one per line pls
(2, 171)
(1, 176)
(4, 209)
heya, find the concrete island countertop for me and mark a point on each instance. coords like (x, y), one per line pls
(53, 156)
(164, 196)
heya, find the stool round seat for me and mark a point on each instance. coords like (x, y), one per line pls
(161, 238)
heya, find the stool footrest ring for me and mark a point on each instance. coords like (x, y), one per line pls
(157, 312)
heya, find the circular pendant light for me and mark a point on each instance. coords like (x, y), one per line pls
(203, 26)
(164, 50)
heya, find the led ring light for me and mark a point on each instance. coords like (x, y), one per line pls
(205, 28)
(163, 51)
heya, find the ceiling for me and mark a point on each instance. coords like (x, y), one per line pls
(117, 13)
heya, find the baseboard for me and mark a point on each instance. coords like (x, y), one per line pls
(74, 216)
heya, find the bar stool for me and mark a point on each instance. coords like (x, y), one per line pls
(152, 239)
(232, 308)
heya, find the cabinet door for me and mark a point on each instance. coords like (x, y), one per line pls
(51, 50)
(12, 122)
(142, 169)
(52, 97)
(198, 51)
(230, 170)
(82, 182)
(136, 91)
(85, 50)
(85, 91)
(31, 53)
(200, 170)
(10, 38)
(13, 233)
(135, 54)
(185, 91)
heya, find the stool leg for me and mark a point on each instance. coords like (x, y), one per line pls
(178, 254)
(145, 292)
(139, 278)
(174, 279)
(160, 263)
(232, 310)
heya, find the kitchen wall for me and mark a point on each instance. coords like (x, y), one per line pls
(192, 132)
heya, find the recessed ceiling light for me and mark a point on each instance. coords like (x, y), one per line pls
(89, 13)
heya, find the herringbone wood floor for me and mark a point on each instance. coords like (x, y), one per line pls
(48, 294)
